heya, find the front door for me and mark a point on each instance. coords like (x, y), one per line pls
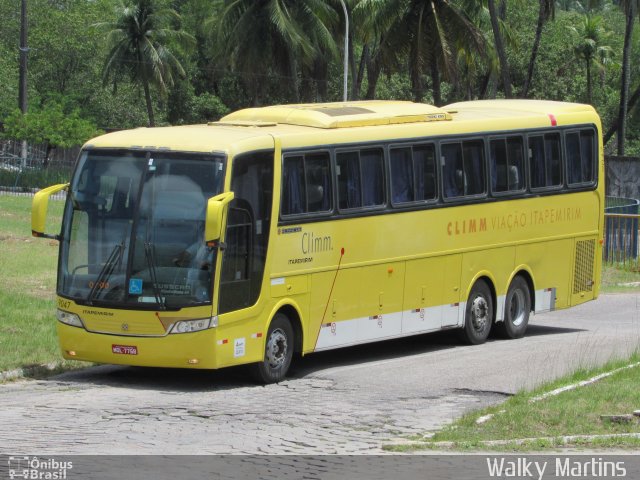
(247, 235)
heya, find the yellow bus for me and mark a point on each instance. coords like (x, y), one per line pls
(293, 229)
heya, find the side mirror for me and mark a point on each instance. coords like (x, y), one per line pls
(39, 210)
(215, 214)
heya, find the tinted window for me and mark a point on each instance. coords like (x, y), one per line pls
(463, 169)
(306, 185)
(360, 178)
(545, 161)
(507, 164)
(580, 156)
(413, 174)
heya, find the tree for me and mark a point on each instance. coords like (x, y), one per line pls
(140, 44)
(428, 33)
(260, 37)
(499, 44)
(630, 8)
(546, 12)
(478, 73)
(590, 48)
(50, 125)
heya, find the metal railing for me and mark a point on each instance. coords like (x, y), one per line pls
(26, 167)
(621, 245)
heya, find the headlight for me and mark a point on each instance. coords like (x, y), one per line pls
(186, 326)
(69, 318)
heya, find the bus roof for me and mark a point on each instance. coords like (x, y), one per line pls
(332, 123)
(340, 115)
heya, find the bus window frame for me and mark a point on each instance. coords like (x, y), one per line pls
(359, 147)
(440, 201)
(413, 204)
(525, 164)
(309, 215)
(542, 133)
(594, 158)
(462, 199)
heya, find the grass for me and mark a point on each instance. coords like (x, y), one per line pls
(620, 278)
(575, 412)
(27, 286)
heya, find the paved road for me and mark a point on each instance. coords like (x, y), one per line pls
(349, 401)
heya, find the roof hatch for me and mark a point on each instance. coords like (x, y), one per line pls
(338, 115)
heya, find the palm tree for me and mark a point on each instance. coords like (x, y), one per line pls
(138, 43)
(590, 48)
(630, 8)
(260, 36)
(545, 12)
(499, 44)
(428, 32)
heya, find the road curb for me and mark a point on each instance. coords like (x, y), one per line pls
(30, 371)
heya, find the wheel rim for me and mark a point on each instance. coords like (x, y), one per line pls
(277, 348)
(516, 307)
(479, 313)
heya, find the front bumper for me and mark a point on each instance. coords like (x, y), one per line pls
(187, 350)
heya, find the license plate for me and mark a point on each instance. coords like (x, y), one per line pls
(124, 349)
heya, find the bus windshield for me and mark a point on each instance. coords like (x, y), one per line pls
(133, 231)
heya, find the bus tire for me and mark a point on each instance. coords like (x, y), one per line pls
(517, 306)
(278, 351)
(478, 316)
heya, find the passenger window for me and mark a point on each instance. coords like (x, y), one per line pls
(507, 164)
(402, 181)
(371, 162)
(413, 174)
(580, 156)
(293, 186)
(545, 161)
(360, 179)
(306, 186)
(349, 191)
(452, 174)
(463, 169)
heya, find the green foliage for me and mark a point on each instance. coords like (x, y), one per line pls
(139, 43)
(591, 49)
(185, 107)
(50, 125)
(9, 81)
(284, 37)
(222, 55)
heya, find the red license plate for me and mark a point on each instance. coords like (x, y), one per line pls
(124, 349)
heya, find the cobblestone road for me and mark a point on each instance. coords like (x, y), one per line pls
(299, 416)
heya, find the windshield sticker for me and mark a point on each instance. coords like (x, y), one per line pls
(135, 286)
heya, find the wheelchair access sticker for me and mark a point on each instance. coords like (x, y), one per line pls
(135, 286)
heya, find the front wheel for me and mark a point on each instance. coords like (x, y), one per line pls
(278, 351)
(478, 314)
(516, 310)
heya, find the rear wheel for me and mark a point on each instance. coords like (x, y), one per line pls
(478, 314)
(517, 306)
(278, 351)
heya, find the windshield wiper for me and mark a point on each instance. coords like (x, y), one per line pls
(106, 271)
(151, 263)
